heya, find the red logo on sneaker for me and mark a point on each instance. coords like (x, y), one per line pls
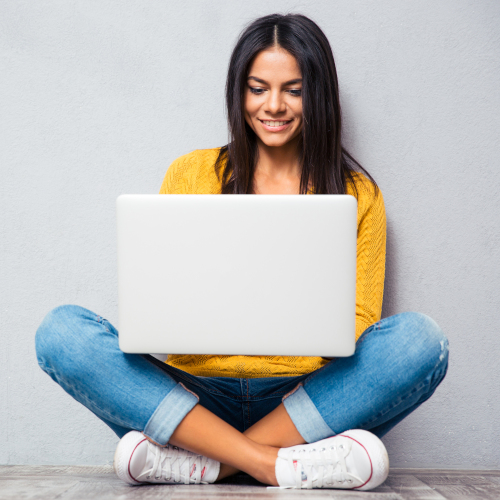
(193, 470)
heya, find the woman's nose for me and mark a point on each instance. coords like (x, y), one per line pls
(275, 103)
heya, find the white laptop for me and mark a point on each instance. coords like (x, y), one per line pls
(237, 274)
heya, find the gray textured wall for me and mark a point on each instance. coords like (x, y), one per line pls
(98, 97)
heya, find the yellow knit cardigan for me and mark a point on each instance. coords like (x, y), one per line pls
(194, 174)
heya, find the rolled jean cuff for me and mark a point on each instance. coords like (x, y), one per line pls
(169, 414)
(306, 416)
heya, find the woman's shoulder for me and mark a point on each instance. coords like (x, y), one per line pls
(192, 173)
(368, 194)
(197, 158)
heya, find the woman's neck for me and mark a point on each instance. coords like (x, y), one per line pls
(278, 162)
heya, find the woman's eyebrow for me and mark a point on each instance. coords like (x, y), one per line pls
(290, 82)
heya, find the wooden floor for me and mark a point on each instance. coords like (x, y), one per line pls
(71, 483)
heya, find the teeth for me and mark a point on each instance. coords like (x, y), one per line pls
(273, 123)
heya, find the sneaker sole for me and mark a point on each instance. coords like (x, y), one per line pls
(378, 457)
(124, 450)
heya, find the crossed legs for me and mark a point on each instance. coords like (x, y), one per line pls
(398, 364)
(253, 451)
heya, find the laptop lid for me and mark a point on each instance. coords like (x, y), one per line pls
(237, 274)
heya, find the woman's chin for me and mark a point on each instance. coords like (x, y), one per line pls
(275, 142)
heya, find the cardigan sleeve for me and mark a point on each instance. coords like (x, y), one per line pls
(370, 262)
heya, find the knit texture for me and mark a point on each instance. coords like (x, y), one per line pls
(194, 174)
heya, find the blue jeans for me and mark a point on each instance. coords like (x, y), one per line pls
(398, 364)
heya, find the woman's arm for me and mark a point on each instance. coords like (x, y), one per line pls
(371, 246)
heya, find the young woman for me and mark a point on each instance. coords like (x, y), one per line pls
(296, 422)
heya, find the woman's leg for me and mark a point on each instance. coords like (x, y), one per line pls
(398, 364)
(79, 350)
(332, 399)
(276, 429)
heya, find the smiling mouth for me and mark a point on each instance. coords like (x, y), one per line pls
(275, 123)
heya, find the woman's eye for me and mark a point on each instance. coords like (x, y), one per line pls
(259, 91)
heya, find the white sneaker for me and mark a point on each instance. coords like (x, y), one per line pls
(137, 461)
(355, 459)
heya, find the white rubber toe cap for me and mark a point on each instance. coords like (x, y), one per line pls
(377, 454)
(130, 457)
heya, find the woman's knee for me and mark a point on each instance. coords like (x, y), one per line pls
(422, 339)
(60, 333)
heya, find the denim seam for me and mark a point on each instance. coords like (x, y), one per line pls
(163, 414)
(45, 368)
(442, 373)
(188, 390)
(401, 400)
(375, 326)
(100, 320)
(188, 380)
(289, 393)
(151, 440)
(248, 402)
(314, 416)
(203, 388)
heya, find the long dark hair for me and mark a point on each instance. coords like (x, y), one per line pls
(325, 163)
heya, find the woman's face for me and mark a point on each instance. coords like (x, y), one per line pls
(273, 102)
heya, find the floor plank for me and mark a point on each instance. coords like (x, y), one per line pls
(260, 493)
(412, 488)
(33, 488)
(101, 490)
(470, 492)
(448, 479)
(494, 479)
(207, 493)
(80, 482)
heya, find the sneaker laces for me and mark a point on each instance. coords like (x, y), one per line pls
(177, 465)
(328, 462)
